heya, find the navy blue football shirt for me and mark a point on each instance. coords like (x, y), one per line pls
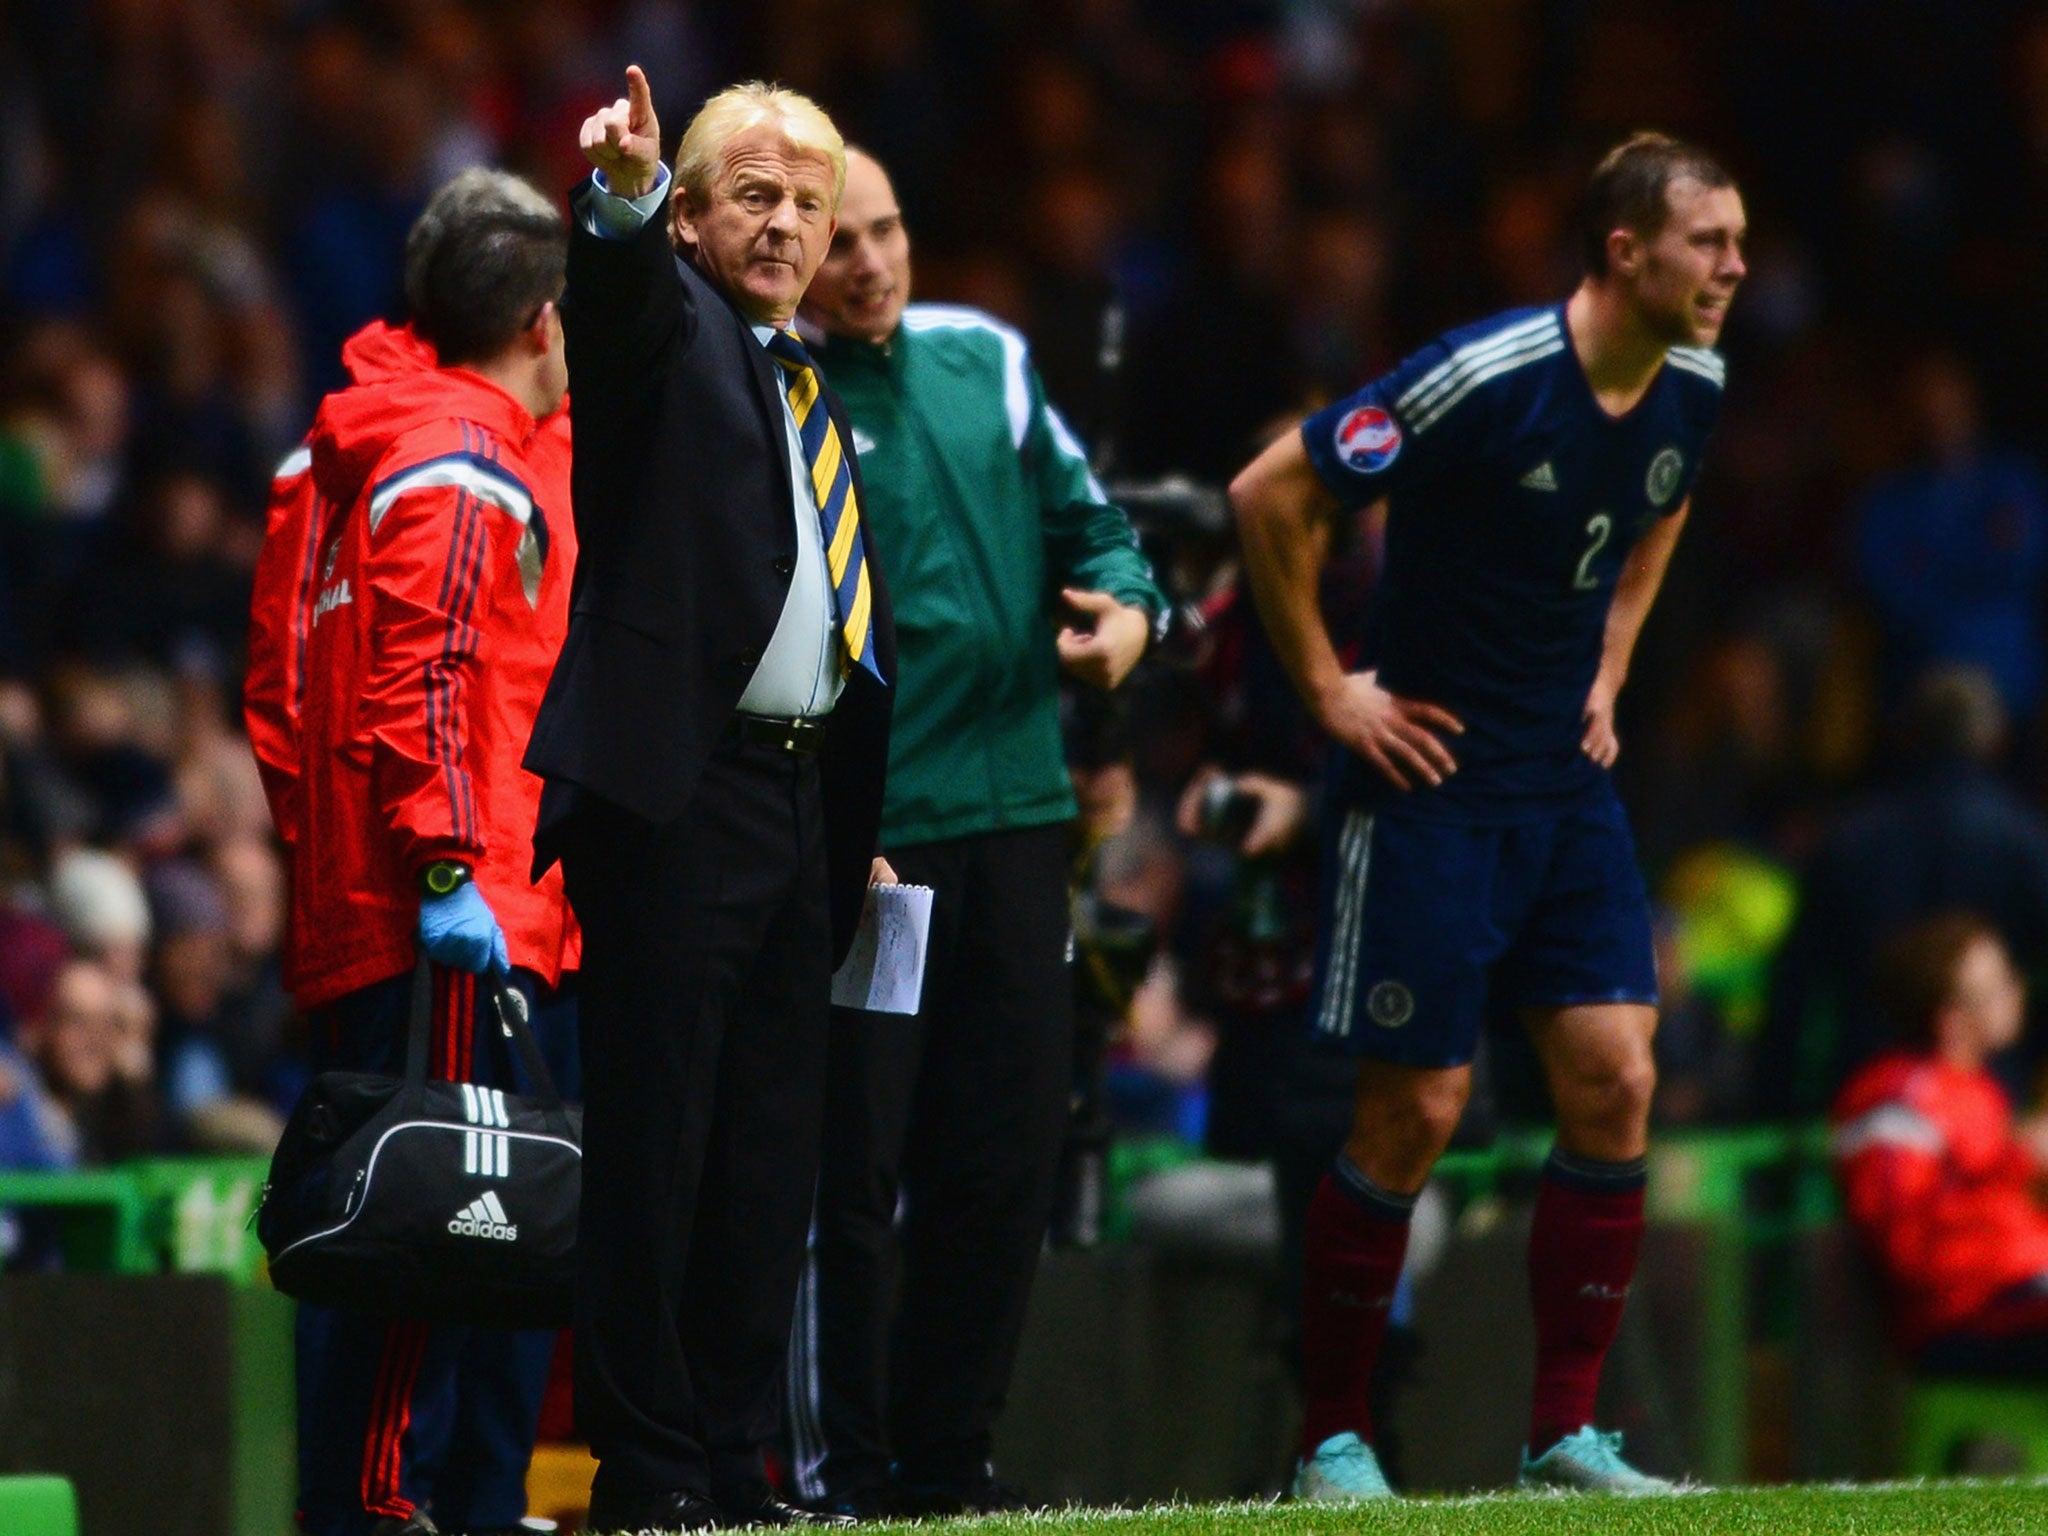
(1513, 501)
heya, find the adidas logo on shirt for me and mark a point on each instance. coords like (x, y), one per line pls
(1541, 478)
(484, 1217)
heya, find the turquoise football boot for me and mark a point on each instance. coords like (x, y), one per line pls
(1589, 1461)
(1342, 1471)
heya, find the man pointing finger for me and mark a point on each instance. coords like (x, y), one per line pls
(714, 740)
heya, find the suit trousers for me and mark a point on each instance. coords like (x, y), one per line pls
(705, 1002)
(960, 1109)
(394, 1414)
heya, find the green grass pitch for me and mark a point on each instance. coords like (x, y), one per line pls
(1896, 1509)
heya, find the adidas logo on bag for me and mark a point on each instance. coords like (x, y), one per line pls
(1541, 478)
(484, 1217)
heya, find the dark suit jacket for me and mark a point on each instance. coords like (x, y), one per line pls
(682, 501)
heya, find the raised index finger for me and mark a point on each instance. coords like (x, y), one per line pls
(638, 95)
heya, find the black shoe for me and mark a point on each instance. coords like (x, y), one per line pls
(981, 1495)
(756, 1504)
(617, 1514)
(863, 1501)
(415, 1524)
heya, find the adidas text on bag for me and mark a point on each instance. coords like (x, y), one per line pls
(484, 1217)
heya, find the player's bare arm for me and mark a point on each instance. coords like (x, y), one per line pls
(1284, 513)
(1634, 594)
(624, 139)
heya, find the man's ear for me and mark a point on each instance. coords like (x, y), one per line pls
(682, 232)
(1624, 252)
(539, 335)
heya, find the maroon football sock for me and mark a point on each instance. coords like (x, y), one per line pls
(1356, 1236)
(1582, 1259)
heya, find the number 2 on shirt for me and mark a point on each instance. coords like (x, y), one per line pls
(1598, 527)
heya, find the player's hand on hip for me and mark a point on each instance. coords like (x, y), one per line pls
(1401, 737)
(1102, 654)
(624, 139)
(460, 931)
(1600, 743)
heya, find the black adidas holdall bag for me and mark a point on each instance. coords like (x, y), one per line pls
(419, 1198)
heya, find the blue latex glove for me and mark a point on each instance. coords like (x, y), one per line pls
(459, 930)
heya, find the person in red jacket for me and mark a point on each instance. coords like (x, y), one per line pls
(1942, 1184)
(286, 579)
(414, 594)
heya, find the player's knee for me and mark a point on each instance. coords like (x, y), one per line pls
(1638, 1085)
(1627, 1106)
(1439, 1106)
(1396, 1138)
(1614, 1091)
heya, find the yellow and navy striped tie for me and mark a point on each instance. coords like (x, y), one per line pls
(838, 507)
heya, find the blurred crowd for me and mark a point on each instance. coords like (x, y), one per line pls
(1207, 216)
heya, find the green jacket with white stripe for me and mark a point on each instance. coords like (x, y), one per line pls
(982, 507)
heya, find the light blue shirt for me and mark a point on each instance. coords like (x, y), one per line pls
(799, 672)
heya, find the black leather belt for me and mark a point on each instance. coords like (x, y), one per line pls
(801, 736)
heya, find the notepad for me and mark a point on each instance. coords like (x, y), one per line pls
(884, 971)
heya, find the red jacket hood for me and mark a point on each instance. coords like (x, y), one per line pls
(379, 352)
(399, 386)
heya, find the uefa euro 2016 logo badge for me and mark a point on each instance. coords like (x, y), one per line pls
(1368, 439)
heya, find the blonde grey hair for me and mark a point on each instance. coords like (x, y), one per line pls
(739, 107)
(477, 193)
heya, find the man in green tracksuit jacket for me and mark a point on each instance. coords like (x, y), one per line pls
(1007, 564)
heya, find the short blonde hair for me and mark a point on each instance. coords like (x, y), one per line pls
(739, 107)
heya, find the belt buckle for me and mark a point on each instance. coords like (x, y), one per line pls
(795, 735)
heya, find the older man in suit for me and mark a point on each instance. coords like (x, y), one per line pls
(714, 740)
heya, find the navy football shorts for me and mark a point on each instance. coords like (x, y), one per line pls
(1425, 923)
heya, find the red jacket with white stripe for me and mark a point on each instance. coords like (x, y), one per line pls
(440, 599)
(1939, 1188)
